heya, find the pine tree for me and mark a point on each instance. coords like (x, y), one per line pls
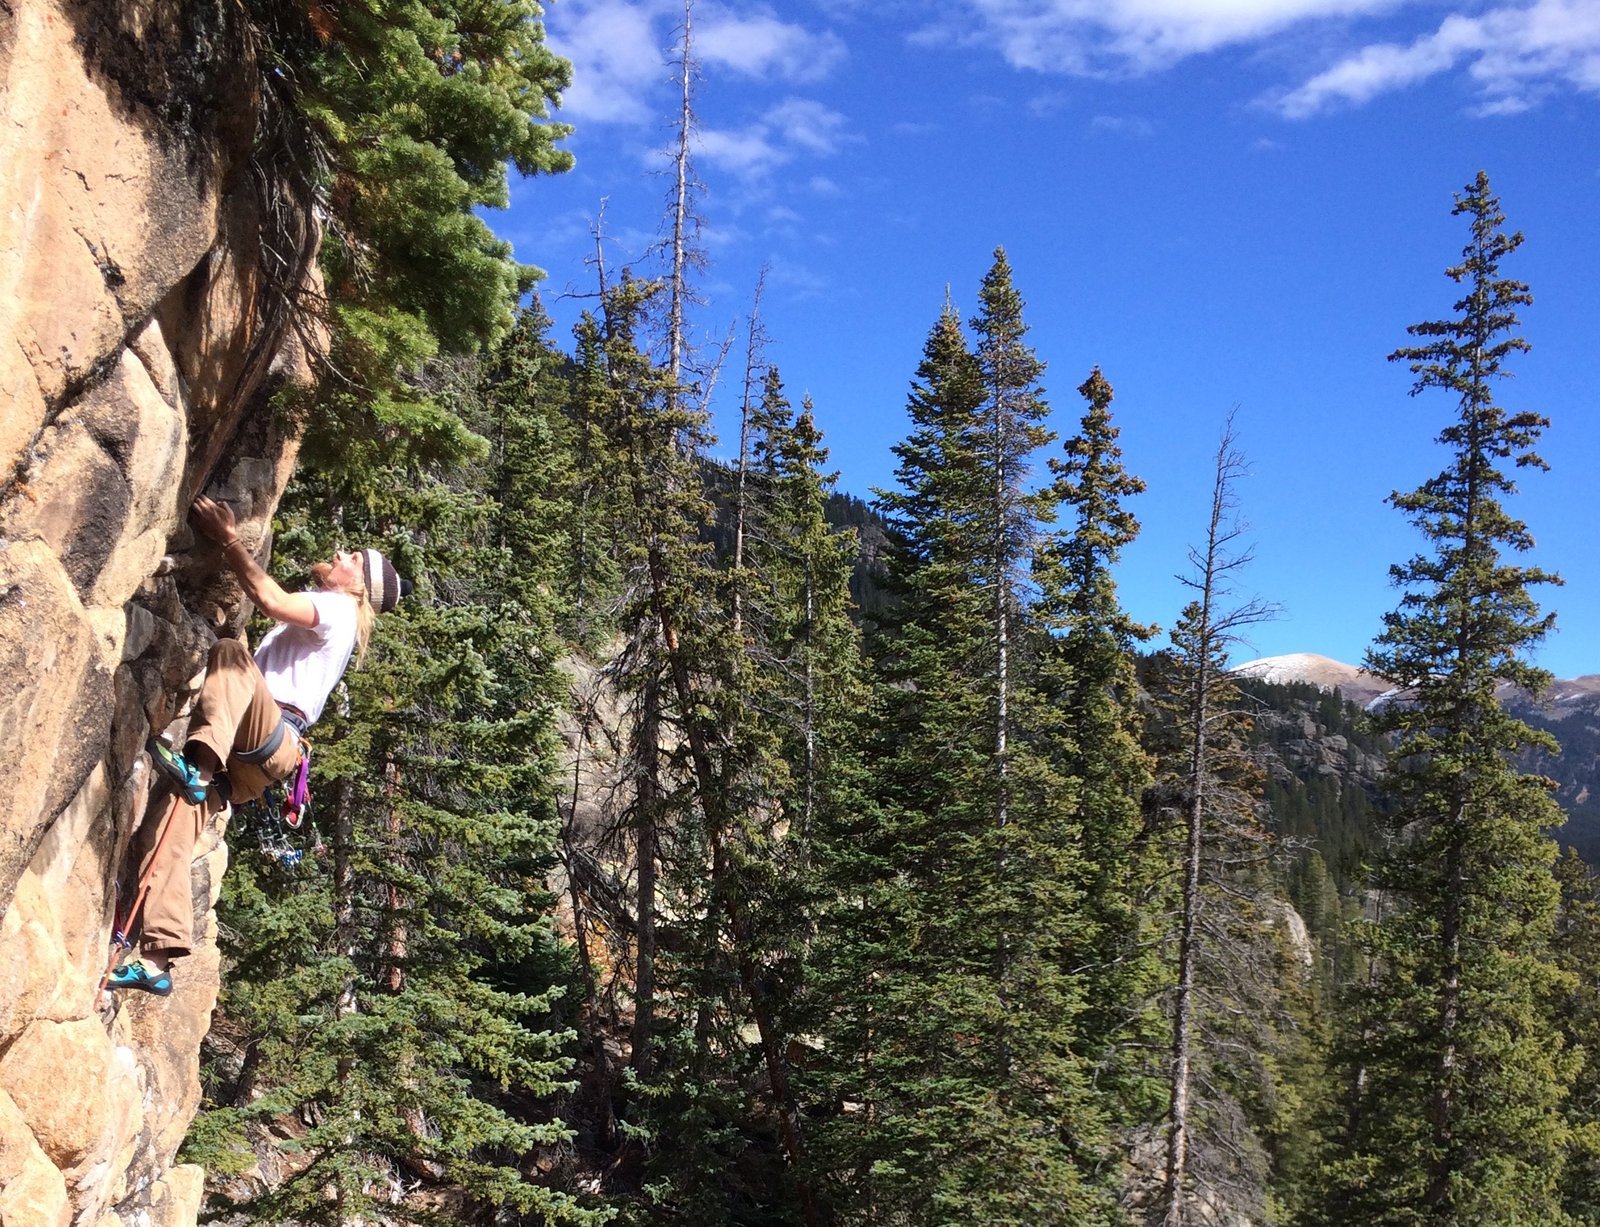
(408, 117)
(656, 505)
(755, 339)
(1011, 431)
(697, 813)
(876, 865)
(401, 992)
(1086, 713)
(946, 955)
(1576, 943)
(805, 566)
(794, 751)
(1455, 1068)
(374, 988)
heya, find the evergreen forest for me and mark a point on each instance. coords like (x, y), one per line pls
(704, 844)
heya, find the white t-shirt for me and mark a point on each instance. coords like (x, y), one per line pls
(302, 664)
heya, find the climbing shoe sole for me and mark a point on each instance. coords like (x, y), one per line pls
(137, 975)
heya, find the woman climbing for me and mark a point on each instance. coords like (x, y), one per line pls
(248, 721)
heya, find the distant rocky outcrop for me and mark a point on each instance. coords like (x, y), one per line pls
(1569, 709)
(145, 289)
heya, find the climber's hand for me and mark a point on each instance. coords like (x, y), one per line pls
(214, 519)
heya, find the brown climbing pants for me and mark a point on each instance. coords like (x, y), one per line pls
(234, 712)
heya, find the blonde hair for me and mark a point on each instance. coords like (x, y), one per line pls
(366, 615)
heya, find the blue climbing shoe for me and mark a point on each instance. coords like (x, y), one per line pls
(137, 975)
(179, 770)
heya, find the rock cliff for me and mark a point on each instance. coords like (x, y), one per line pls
(150, 254)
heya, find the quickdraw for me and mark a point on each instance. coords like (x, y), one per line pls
(285, 805)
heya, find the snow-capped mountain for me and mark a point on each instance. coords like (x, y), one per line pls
(1323, 672)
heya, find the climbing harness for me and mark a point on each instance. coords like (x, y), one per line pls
(281, 812)
(297, 799)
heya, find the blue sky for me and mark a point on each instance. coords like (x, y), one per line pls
(1225, 204)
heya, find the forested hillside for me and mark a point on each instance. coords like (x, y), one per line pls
(695, 842)
(699, 844)
(654, 880)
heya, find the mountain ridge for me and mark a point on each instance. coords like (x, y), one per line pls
(1365, 688)
(1569, 709)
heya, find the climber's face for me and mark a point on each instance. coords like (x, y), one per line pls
(344, 571)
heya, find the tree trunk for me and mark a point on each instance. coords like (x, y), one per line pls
(713, 803)
(580, 926)
(1183, 1007)
(677, 281)
(1206, 640)
(648, 766)
(344, 903)
(1440, 1196)
(395, 977)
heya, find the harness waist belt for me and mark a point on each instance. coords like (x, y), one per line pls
(292, 719)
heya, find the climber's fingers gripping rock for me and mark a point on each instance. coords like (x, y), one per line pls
(214, 519)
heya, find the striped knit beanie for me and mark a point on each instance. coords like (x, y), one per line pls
(384, 585)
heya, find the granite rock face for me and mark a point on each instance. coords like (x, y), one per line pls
(141, 336)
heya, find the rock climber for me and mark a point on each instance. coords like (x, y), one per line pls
(248, 721)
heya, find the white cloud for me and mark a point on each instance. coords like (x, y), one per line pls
(621, 52)
(616, 55)
(760, 45)
(799, 281)
(1515, 56)
(723, 236)
(746, 152)
(791, 128)
(807, 124)
(1371, 71)
(1100, 37)
(1514, 53)
(1122, 125)
(1046, 105)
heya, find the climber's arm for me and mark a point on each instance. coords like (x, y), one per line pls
(216, 521)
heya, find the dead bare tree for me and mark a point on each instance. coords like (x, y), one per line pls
(1223, 960)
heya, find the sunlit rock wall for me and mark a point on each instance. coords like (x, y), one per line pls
(140, 341)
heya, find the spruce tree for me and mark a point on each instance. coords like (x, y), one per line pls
(400, 990)
(1454, 1065)
(947, 953)
(1087, 715)
(1011, 430)
(805, 566)
(875, 865)
(698, 807)
(405, 119)
(1577, 945)
(796, 760)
